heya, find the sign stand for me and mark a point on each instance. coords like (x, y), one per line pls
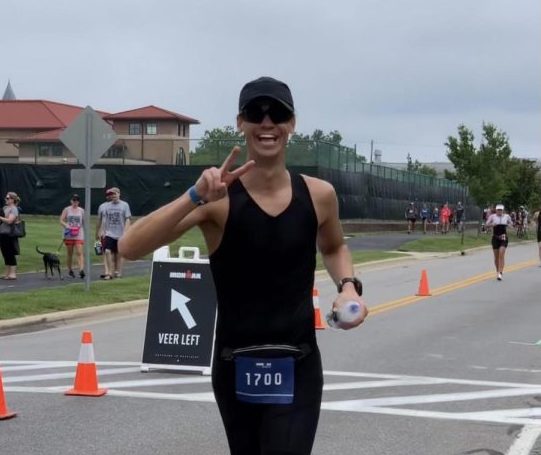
(88, 137)
(182, 310)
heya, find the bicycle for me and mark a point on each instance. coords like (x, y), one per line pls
(522, 231)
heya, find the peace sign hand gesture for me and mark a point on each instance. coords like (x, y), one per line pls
(213, 182)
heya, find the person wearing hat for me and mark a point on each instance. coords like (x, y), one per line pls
(263, 226)
(72, 220)
(113, 219)
(499, 221)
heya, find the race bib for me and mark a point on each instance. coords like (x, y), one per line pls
(265, 380)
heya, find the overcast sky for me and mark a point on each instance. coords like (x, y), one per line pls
(404, 73)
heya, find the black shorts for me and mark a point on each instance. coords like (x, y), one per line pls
(111, 244)
(539, 236)
(497, 243)
(271, 429)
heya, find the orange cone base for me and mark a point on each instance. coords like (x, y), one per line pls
(82, 393)
(319, 321)
(423, 294)
(7, 415)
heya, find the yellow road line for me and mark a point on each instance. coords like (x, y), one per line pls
(447, 288)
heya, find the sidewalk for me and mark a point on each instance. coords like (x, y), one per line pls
(30, 281)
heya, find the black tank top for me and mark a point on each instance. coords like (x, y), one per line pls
(264, 271)
(500, 228)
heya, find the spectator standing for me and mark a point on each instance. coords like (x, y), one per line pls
(425, 215)
(9, 245)
(459, 216)
(72, 220)
(100, 236)
(113, 219)
(436, 218)
(411, 216)
(445, 214)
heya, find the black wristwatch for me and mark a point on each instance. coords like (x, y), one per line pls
(351, 279)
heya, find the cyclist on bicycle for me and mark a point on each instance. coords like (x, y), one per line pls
(522, 222)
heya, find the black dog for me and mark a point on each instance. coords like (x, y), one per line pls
(51, 262)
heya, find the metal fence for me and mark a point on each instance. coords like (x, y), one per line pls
(323, 155)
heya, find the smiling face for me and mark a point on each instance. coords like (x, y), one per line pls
(266, 125)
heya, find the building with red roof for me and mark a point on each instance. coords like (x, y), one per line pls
(30, 132)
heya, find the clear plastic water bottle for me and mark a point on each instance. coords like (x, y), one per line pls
(349, 312)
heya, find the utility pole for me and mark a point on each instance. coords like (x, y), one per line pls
(371, 149)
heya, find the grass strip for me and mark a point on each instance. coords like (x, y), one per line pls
(450, 242)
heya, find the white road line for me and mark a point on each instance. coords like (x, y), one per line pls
(520, 412)
(525, 440)
(205, 396)
(379, 384)
(56, 362)
(462, 416)
(48, 377)
(157, 382)
(444, 380)
(38, 366)
(352, 405)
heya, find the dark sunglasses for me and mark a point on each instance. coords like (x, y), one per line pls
(256, 112)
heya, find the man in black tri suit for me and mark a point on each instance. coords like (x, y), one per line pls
(263, 226)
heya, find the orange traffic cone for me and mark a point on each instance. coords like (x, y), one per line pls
(5, 413)
(317, 311)
(423, 285)
(86, 377)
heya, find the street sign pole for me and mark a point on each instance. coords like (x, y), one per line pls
(88, 137)
(88, 205)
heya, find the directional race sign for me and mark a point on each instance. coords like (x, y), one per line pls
(181, 313)
(88, 137)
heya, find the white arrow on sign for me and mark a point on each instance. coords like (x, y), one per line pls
(178, 302)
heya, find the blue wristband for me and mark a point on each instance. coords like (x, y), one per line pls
(195, 198)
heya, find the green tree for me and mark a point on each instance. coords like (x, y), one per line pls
(303, 149)
(416, 166)
(215, 145)
(425, 169)
(482, 169)
(523, 184)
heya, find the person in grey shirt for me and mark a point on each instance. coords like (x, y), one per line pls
(113, 219)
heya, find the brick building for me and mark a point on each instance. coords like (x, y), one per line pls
(30, 131)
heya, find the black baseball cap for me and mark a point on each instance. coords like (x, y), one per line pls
(75, 197)
(266, 87)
